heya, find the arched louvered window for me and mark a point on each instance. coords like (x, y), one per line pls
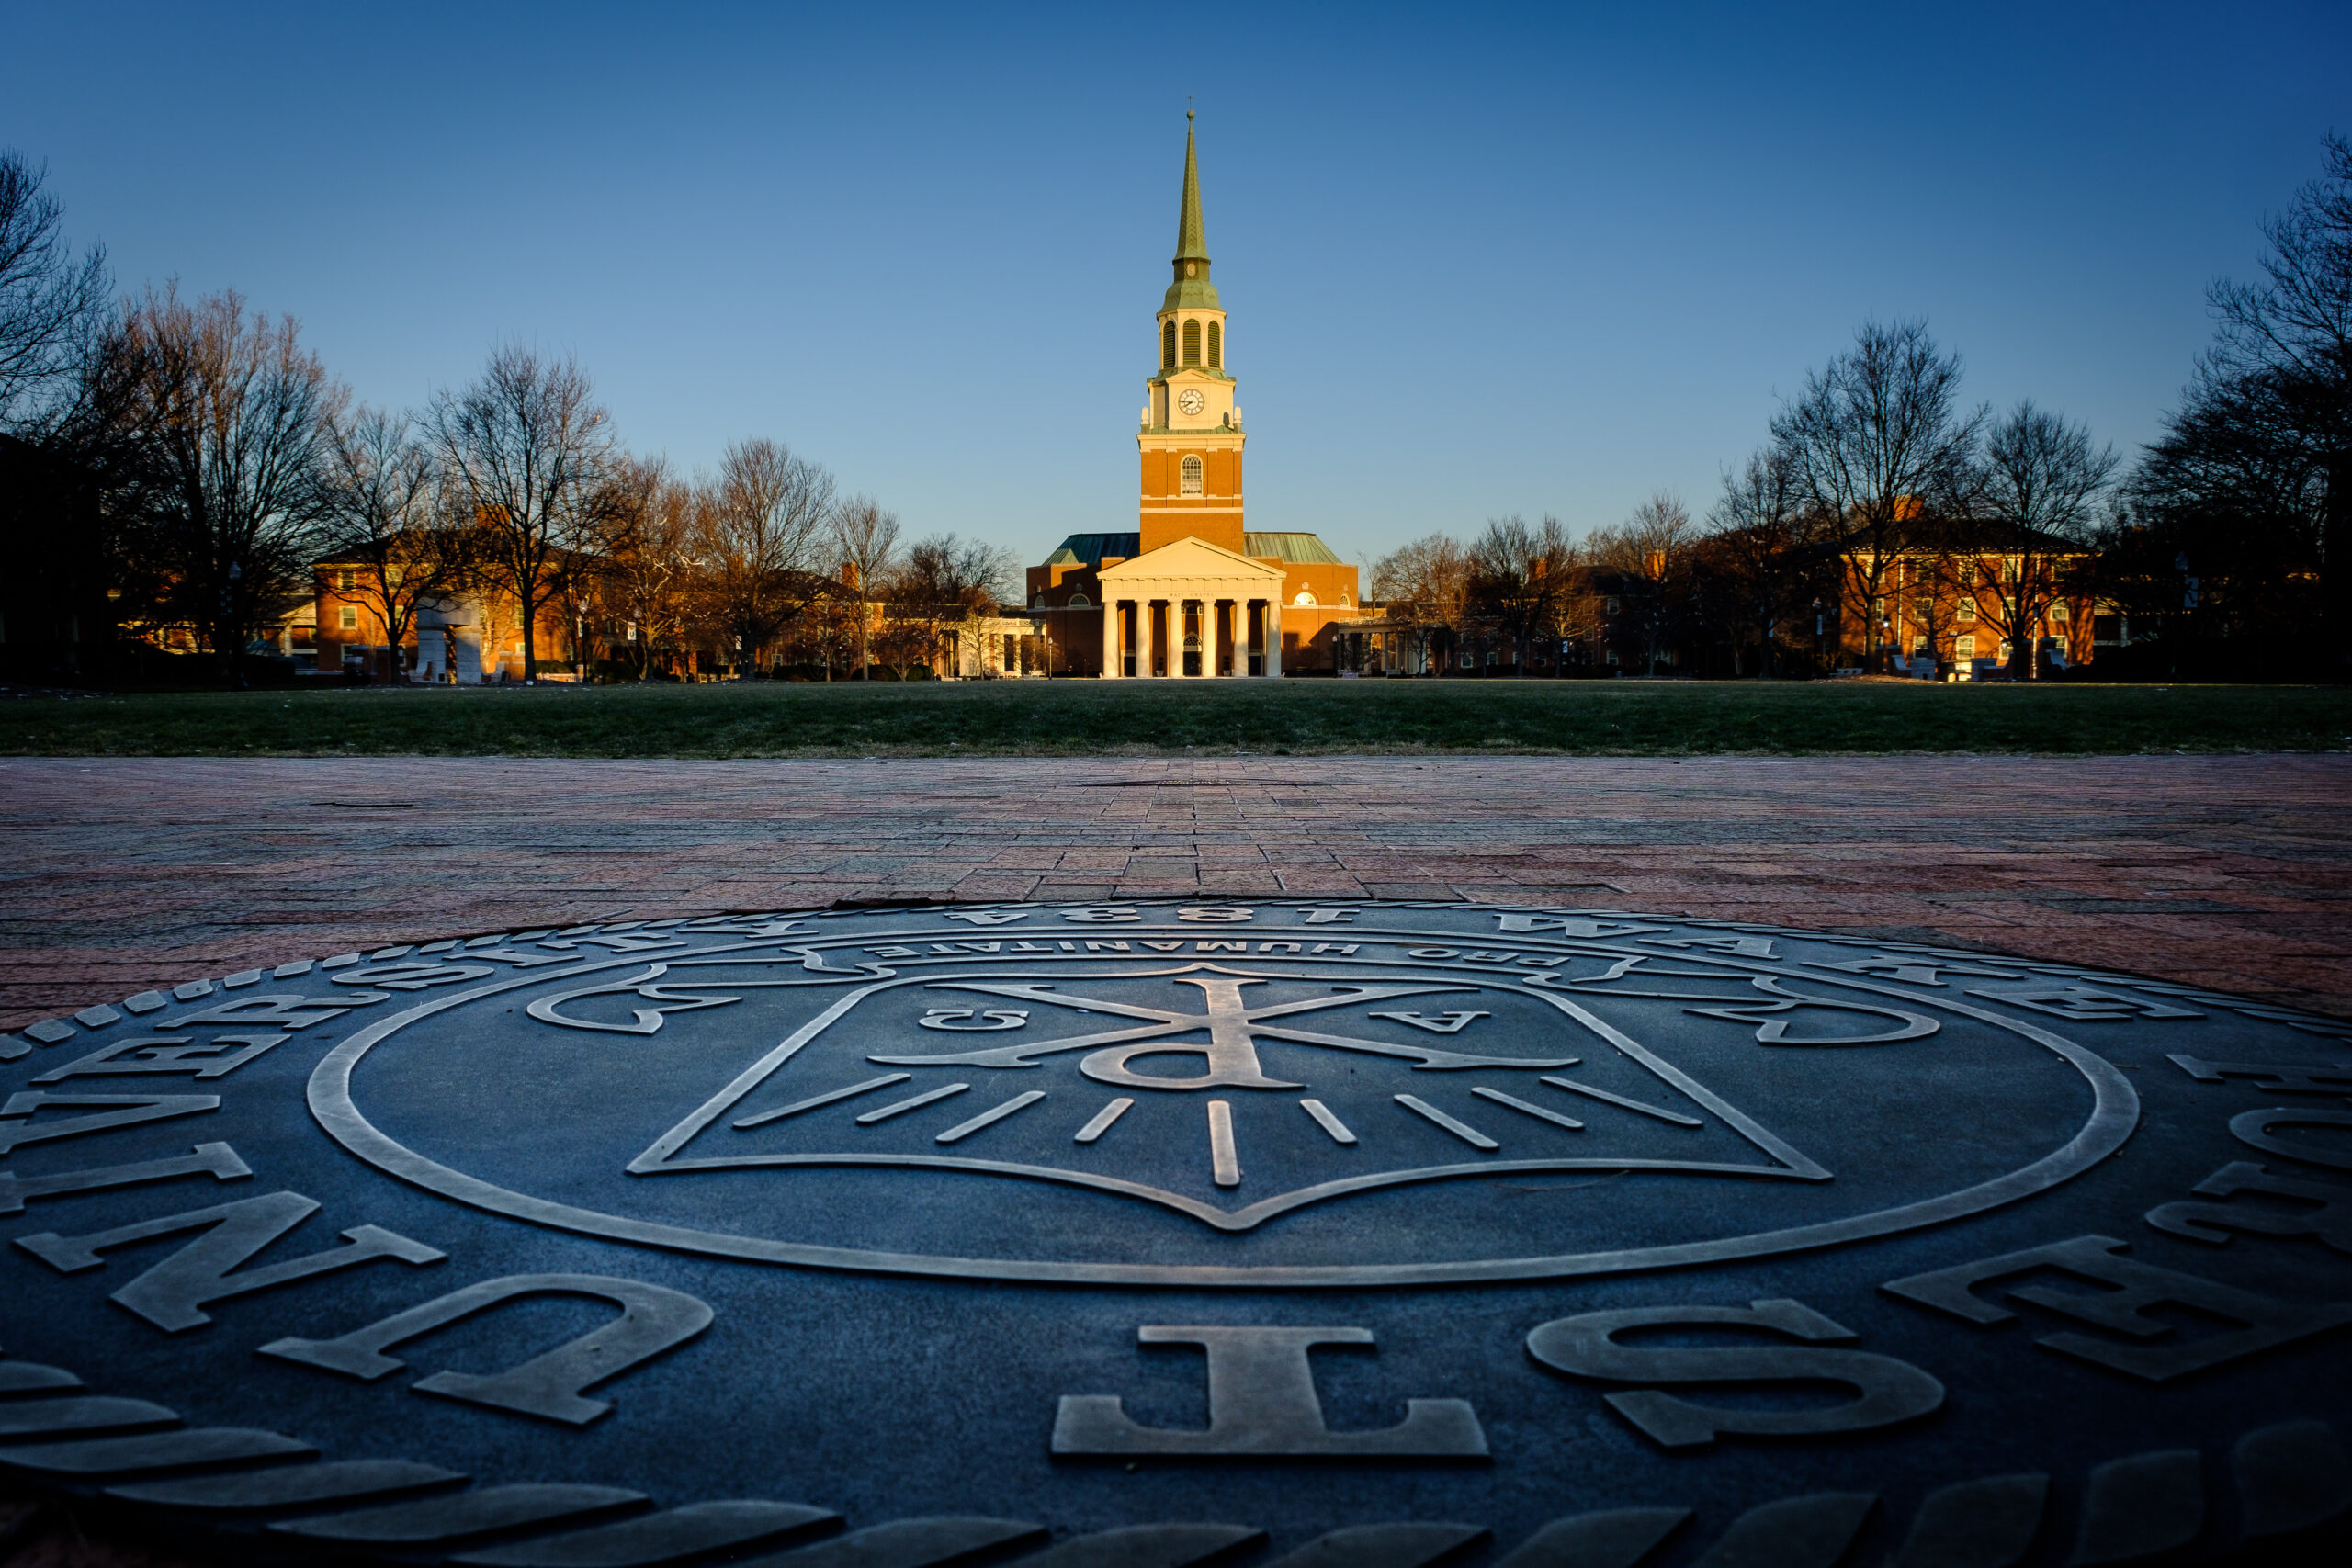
(1193, 342)
(1216, 347)
(1168, 346)
(1191, 476)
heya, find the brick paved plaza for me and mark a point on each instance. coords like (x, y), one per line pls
(2231, 871)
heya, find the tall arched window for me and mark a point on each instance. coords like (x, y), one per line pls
(1216, 347)
(1191, 476)
(1168, 346)
(1193, 342)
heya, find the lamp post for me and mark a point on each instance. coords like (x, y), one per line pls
(230, 618)
(2188, 608)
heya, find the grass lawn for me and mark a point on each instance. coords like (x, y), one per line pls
(1146, 718)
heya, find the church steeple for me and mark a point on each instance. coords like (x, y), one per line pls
(1189, 243)
(1191, 287)
(1190, 433)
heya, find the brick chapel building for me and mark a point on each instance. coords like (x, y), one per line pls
(1192, 592)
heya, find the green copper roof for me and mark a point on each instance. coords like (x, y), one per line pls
(1297, 549)
(1088, 549)
(1191, 287)
(1188, 242)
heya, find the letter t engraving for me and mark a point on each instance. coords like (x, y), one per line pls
(1263, 1401)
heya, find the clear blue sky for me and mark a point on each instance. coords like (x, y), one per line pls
(1479, 260)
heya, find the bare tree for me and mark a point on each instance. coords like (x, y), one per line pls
(655, 569)
(529, 450)
(1760, 531)
(232, 482)
(2040, 511)
(944, 583)
(383, 517)
(825, 631)
(2234, 493)
(2274, 397)
(865, 538)
(54, 304)
(1649, 554)
(1877, 442)
(763, 526)
(1520, 578)
(1425, 584)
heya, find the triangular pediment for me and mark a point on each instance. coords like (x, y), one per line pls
(1191, 556)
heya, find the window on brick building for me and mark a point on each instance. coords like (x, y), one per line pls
(1964, 647)
(351, 618)
(1191, 476)
(1965, 610)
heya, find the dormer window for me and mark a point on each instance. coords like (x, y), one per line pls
(1216, 347)
(1191, 485)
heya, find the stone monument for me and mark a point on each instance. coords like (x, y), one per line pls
(1166, 1232)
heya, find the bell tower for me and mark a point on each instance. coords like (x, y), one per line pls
(1190, 440)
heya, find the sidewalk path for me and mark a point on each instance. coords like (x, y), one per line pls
(2229, 872)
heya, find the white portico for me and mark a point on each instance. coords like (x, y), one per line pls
(1189, 609)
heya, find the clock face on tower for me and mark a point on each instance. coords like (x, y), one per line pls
(1191, 401)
